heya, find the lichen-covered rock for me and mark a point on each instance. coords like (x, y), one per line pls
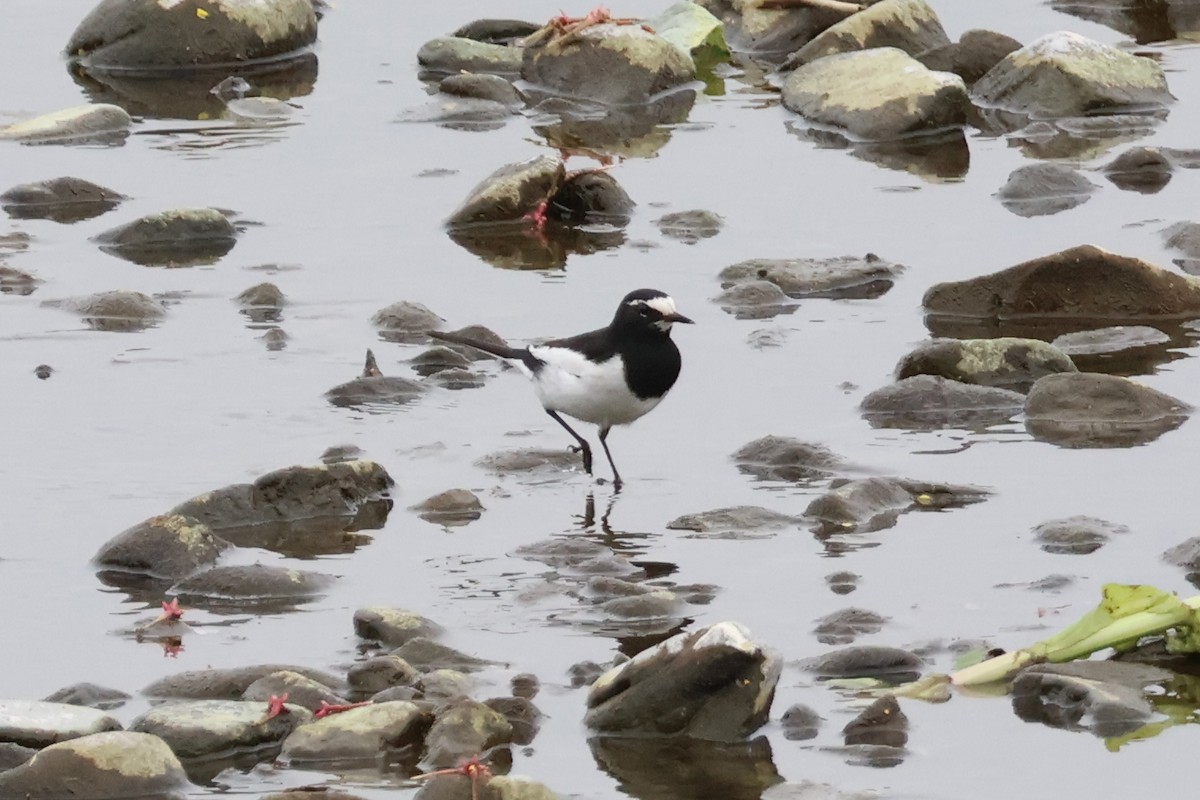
(1006, 362)
(1093, 410)
(152, 35)
(877, 95)
(509, 193)
(1036, 190)
(103, 766)
(198, 728)
(358, 735)
(64, 200)
(909, 25)
(928, 402)
(845, 276)
(1063, 74)
(392, 626)
(463, 729)
(77, 124)
(119, 311)
(607, 63)
(714, 683)
(169, 546)
(37, 723)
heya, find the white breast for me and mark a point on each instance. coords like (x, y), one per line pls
(585, 390)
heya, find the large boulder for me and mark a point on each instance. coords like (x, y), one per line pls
(909, 25)
(1064, 74)
(103, 766)
(1090, 410)
(877, 95)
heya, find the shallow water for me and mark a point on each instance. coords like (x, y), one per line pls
(131, 424)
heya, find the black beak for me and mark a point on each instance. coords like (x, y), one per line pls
(678, 318)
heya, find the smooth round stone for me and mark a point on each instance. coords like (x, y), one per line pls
(103, 766)
(37, 723)
(77, 122)
(197, 728)
(1110, 340)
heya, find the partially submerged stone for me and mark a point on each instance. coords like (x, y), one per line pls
(245, 586)
(842, 277)
(872, 504)
(482, 86)
(736, 518)
(1113, 339)
(393, 626)
(530, 460)
(102, 766)
(847, 624)
(373, 387)
(880, 725)
(772, 33)
(426, 654)
(37, 723)
(972, 56)
(783, 458)
(149, 35)
(262, 302)
(178, 237)
(1005, 362)
(908, 25)
(884, 663)
(78, 124)
(1036, 190)
(1065, 74)
(928, 402)
(64, 200)
(714, 683)
(800, 722)
(226, 684)
(199, 728)
(590, 197)
(1105, 697)
(691, 226)
(120, 311)
(510, 193)
(88, 694)
(453, 54)
(443, 685)
(301, 690)
(452, 507)
(463, 729)
(755, 299)
(877, 95)
(1140, 169)
(1093, 410)
(1078, 535)
(18, 282)
(358, 735)
(168, 546)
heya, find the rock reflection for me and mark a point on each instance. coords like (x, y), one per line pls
(1147, 21)
(520, 246)
(685, 769)
(935, 158)
(638, 131)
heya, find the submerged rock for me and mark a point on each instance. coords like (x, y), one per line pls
(928, 402)
(908, 25)
(872, 504)
(102, 766)
(783, 458)
(64, 200)
(843, 277)
(427, 655)
(507, 462)
(1114, 339)
(88, 694)
(149, 35)
(755, 300)
(15, 281)
(393, 626)
(179, 237)
(1036, 190)
(690, 227)
(450, 508)
(199, 728)
(1092, 410)
(358, 735)
(252, 584)
(79, 124)
(883, 663)
(736, 518)
(169, 546)
(226, 684)
(846, 625)
(1105, 697)
(37, 723)
(800, 722)
(375, 387)
(714, 683)
(1064, 74)
(877, 94)
(1078, 535)
(118, 311)
(1006, 362)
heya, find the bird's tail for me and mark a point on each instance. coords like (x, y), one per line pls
(502, 351)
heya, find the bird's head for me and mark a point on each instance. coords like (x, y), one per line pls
(648, 311)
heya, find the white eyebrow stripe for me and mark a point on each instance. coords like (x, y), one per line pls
(663, 305)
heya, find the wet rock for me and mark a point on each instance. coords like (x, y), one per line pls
(755, 300)
(393, 626)
(800, 723)
(43, 371)
(1113, 339)
(88, 694)
(251, 585)
(561, 553)
(1064, 74)
(507, 462)
(454, 54)
(735, 518)
(15, 281)
(456, 379)
(714, 683)
(291, 494)
(464, 729)
(482, 87)
(275, 339)
(405, 321)
(872, 504)
(884, 663)
(1006, 362)
(591, 197)
(199, 728)
(497, 31)
(509, 193)
(881, 724)
(77, 125)
(311, 793)
(929, 402)
(262, 303)
(99, 767)
(492, 787)
(691, 226)
(442, 685)
(379, 673)
(877, 94)
(1092, 410)
(908, 25)
(607, 63)
(148, 35)
(1084, 283)
(361, 734)
(409, 694)
(1106, 697)
(480, 334)
(1037, 190)
(226, 684)
(846, 625)
(176, 238)
(522, 715)
(842, 582)
(526, 685)
(844, 277)
(783, 458)
(439, 358)
(64, 200)
(1141, 169)
(14, 755)
(300, 690)
(168, 546)
(771, 33)
(37, 723)
(118, 311)
(372, 387)
(459, 113)
(1075, 535)
(972, 56)
(1185, 554)
(425, 654)
(451, 508)
(652, 605)
(585, 673)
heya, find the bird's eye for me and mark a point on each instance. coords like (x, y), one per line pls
(644, 311)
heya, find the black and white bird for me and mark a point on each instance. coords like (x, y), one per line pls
(607, 377)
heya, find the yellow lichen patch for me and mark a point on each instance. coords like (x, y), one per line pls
(272, 21)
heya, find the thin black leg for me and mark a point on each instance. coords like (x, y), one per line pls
(583, 445)
(604, 442)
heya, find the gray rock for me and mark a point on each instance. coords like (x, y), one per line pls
(179, 237)
(359, 735)
(227, 684)
(379, 673)
(102, 766)
(459, 113)
(1092, 410)
(406, 321)
(845, 276)
(463, 729)
(441, 685)
(454, 54)
(522, 715)
(64, 200)
(1064, 74)
(735, 518)
(393, 626)
(88, 694)
(301, 691)
(170, 546)
(426, 655)
(847, 624)
(509, 193)
(972, 56)
(37, 723)
(507, 462)
(908, 25)
(262, 302)
(607, 63)
(1141, 169)
(251, 584)
(481, 334)
(652, 605)
(483, 87)
(928, 402)
(15, 281)
(1078, 535)
(1105, 697)
(14, 755)
(884, 663)
(1084, 282)
(117, 311)
(1006, 362)
(690, 226)
(437, 359)
(198, 728)
(881, 724)
(755, 300)
(771, 33)
(1185, 554)
(590, 197)
(497, 31)
(77, 124)
(1113, 339)
(452, 507)
(311, 793)
(800, 723)
(526, 685)
(1037, 190)
(872, 504)
(372, 386)
(561, 553)
(714, 683)
(783, 458)
(149, 35)
(842, 582)
(877, 95)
